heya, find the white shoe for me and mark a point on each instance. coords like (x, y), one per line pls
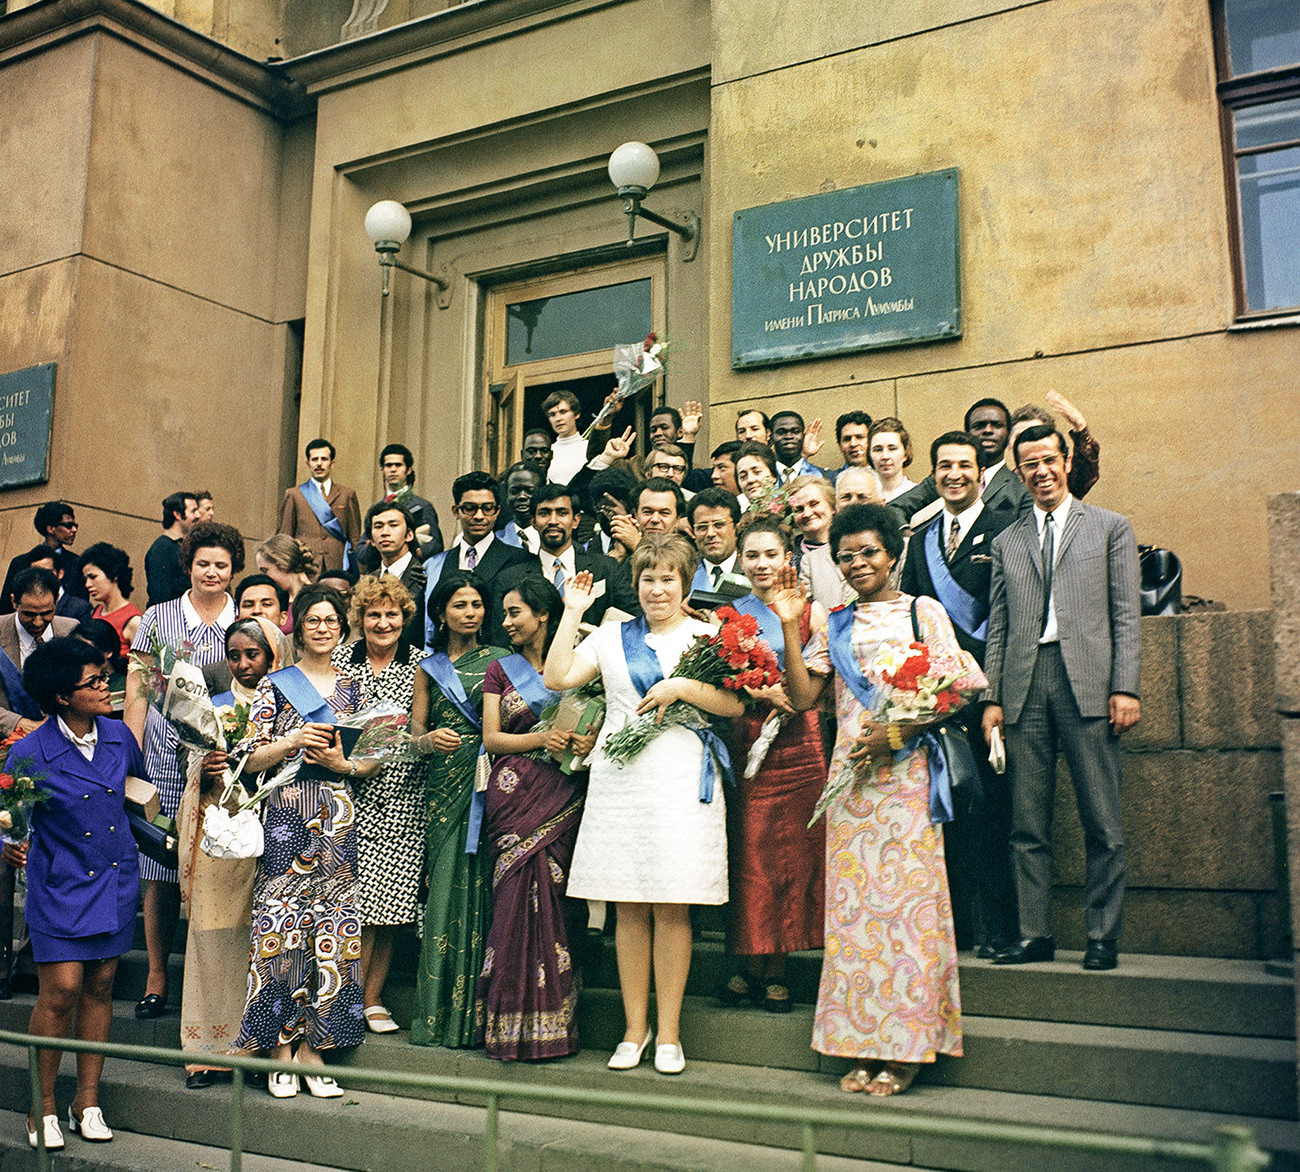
(669, 1058)
(322, 1087)
(91, 1125)
(628, 1054)
(53, 1136)
(282, 1086)
(379, 1020)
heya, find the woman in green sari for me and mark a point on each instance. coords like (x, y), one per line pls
(447, 722)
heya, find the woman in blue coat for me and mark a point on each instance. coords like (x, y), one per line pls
(83, 879)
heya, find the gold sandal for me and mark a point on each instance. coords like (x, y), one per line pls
(857, 1080)
(893, 1079)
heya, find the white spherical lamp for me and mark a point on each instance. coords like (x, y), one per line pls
(634, 165)
(388, 220)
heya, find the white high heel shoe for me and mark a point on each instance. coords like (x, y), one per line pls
(627, 1055)
(90, 1126)
(53, 1136)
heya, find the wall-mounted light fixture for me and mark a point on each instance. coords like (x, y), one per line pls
(634, 169)
(388, 224)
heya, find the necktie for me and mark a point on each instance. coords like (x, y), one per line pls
(523, 541)
(717, 576)
(558, 577)
(1049, 557)
(954, 538)
(471, 558)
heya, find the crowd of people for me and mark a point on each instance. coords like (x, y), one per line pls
(505, 834)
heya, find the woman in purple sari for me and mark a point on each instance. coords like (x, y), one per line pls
(527, 995)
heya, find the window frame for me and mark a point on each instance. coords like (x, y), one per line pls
(1263, 87)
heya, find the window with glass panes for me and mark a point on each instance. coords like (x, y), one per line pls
(1259, 70)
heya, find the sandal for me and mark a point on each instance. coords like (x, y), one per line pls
(893, 1079)
(777, 999)
(856, 1081)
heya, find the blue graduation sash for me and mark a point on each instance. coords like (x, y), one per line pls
(839, 627)
(321, 510)
(19, 701)
(432, 572)
(701, 581)
(644, 670)
(967, 611)
(224, 698)
(769, 626)
(527, 681)
(301, 693)
(510, 534)
(443, 673)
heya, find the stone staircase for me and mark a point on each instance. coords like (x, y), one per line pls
(1163, 1047)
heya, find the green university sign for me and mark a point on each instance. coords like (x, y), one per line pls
(848, 270)
(26, 413)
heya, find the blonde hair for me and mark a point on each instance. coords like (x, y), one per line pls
(370, 591)
(289, 555)
(808, 480)
(665, 549)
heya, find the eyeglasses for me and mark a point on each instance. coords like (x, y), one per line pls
(331, 622)
(66, 525)
(95, 682)
(472, 510)
(667, 469)
(865, 554)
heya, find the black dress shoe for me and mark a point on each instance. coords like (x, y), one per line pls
(987, 951)
(150, 1005)
(1101, 955)
(1029, 951)
(205, 1078)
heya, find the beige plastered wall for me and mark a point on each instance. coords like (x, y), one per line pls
(152, 244)
(508, 176)
(1094, 241)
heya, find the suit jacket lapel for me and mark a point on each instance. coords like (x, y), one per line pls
(1029, 528)
(9, 638)
(1072, 522)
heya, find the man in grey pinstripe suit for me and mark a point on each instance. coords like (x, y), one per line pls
(1062, 662)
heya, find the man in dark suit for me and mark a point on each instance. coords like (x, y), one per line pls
(989, 421)
(1064, 646)
(555, 517)
(397, 467)
(34, 622)
(391, 530)
(951, 560)
(68, 606)
(338, 525)
(477, 498)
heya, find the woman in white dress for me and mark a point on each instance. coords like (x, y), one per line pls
(647, 840)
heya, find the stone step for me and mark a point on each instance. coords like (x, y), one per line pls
(129, 1151)
(367, 1130)
(1194, 994)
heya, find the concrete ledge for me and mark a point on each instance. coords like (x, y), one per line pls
(1226, 672)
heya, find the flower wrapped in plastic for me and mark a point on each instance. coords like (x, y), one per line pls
(175, 688)
(733, 657)
(19, 790)
(636, 366)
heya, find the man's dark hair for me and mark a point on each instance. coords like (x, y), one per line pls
(204, 494)
(860, 417)
(50, 514)
(1033, 434)
(318, 442)
(553, 492)
(953, 437)
(564, 395)
(34, 580)
(351, 577)
(877, 519)
(54, 669)
(975, 406)
(213, 535)
(714, 498)
(476, 481)
(522, 466)
(616, 482)
(388, 507)
(261, 580)
(669, 411)
(173, 507)
(729, 448)
(39, 553)
(403, 451)
(767, 423)
(788, 415)
(656, 484)
(546, 431)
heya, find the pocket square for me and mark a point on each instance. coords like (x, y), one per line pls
(978, 539)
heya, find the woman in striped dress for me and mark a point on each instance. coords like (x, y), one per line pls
(196, 623)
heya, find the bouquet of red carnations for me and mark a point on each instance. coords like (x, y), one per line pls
(19, 791)
(733, 657)
(918, 688)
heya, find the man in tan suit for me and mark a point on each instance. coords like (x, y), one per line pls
(34, 621)
(321, 514)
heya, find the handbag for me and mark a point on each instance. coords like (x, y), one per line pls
(953, 738)
(154, 834)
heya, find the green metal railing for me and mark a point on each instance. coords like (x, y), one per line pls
(1233, 1149)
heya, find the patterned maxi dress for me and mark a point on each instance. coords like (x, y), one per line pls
(389, 805)
(175, 623)
(889, 973)
(305, 977)
(528, 994)
(459, 909)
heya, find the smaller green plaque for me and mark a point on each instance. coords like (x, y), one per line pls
(26, 416)
(847, 270)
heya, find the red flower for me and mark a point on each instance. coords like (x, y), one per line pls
(6, 781)
(727, 614)
(947, 700)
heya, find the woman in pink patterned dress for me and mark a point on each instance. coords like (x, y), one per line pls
(888, 996)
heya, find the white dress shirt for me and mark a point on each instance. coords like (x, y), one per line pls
(963, 520)
(1059, 514)
(566, 560)
(84, 745)
(398, 568)
(480, 549)
(26, 642)
(727, 566)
